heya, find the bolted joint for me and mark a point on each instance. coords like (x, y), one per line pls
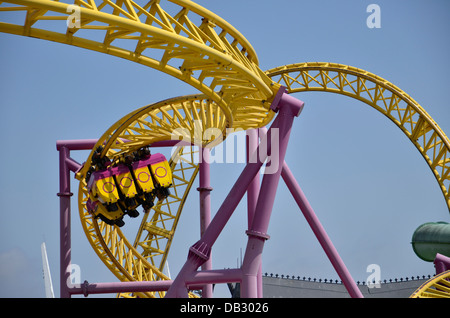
(290, 105)
(64, 194)
(257, 234)
(286, 103)
(204, 189)
(276, 100)
(85, 288)
(199, 253)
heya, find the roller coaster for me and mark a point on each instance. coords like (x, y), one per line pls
(122, 174)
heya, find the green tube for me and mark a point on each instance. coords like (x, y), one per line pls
(431, 238)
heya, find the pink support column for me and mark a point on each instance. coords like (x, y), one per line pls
(64, 219)
(253, 192)
(253, 188)
(318, 229)
(119, 287)
(205, 207)
(66, 165)
(196, 281)
(289, 108)
(320, 233)
(441, 263)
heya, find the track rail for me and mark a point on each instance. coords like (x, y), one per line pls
(436, 287)
(383, 96)
(177, 37)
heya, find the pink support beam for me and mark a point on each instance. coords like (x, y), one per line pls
(320, 233)
(64, 222)
(253, 192)
(205, 207)
(257, 234)
(253, 189)
(318, 230)
(118, 287)
(217, 276)
(196, 281)
(76, 144)
(441, 263)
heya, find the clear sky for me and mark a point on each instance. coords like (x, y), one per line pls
(368, 184)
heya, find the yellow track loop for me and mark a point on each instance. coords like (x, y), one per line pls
(177, 37)
(436, 287)
(382, 95)
(187, 117)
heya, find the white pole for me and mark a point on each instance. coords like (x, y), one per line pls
(167, 270)
(47, 277)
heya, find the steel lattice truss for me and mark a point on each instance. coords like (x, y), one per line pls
(436, 287)
(382, 95)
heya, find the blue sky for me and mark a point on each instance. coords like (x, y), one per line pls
(368, 184)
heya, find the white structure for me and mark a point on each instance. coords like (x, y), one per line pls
(47, 277)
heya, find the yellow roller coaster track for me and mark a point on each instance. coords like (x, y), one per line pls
(184, 40)
(436, 287)
(382, 95)
(177, 37)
